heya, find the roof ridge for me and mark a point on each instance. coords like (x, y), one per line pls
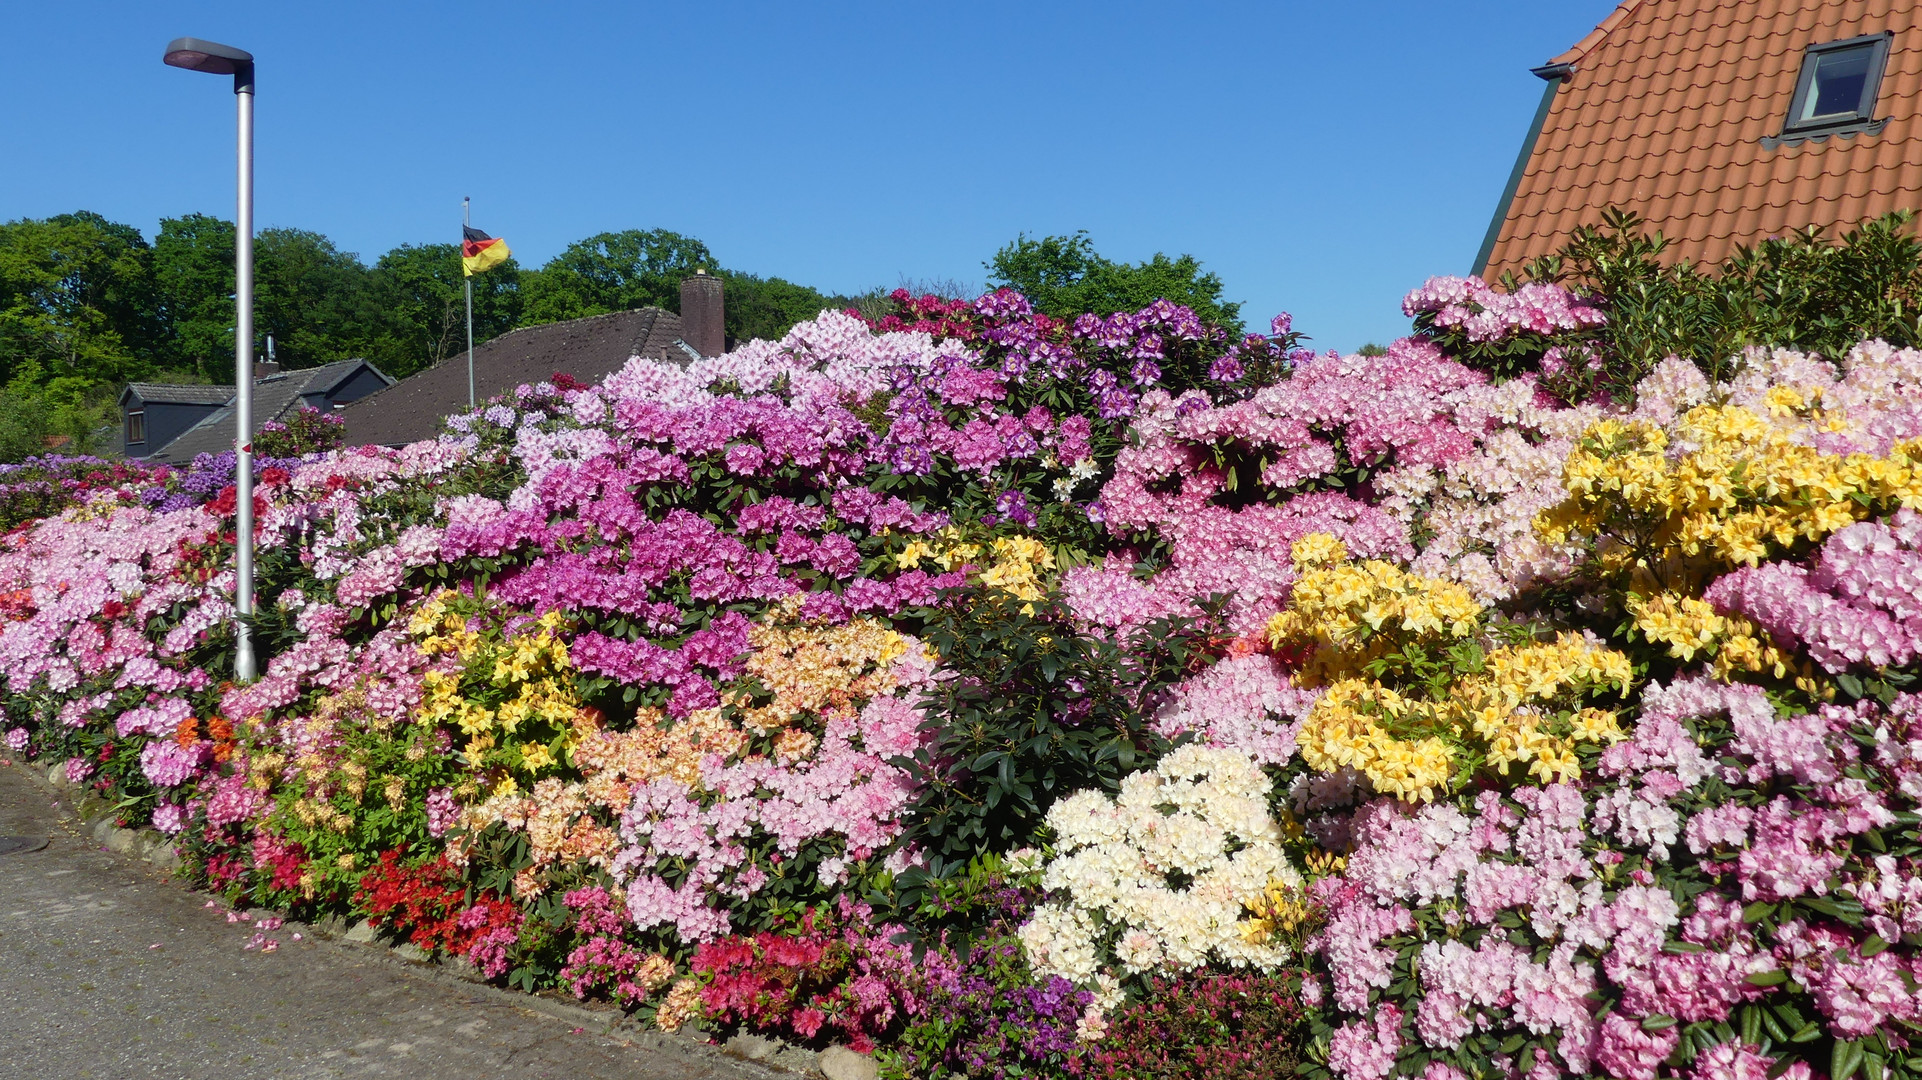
(1587, 44)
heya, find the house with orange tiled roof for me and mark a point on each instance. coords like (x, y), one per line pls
(1720, 122)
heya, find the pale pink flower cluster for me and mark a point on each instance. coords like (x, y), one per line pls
(1246, 703)
(1556, 861)
(1485, 314)
(1861, 603)
(846, 792)
(1361, 1050)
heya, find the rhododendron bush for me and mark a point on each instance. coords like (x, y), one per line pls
(1451, 721)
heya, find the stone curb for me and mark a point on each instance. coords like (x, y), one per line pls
(746, 1054)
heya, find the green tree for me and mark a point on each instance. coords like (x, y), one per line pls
(418, 289)
(193, 267)
(313, 298)
(768, 308)
(76, 295)
(615, 271)
(35, 408)
(1064, 276)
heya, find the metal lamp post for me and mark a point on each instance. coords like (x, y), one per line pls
(213, 58)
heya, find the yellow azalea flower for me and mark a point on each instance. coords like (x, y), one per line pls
(535, 756)
(1318, 549)
(1741, 488)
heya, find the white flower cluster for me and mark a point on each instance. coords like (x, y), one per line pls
(1156, 878)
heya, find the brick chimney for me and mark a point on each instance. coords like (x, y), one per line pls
(703, 314)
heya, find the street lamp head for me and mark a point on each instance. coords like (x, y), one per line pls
(213, 58)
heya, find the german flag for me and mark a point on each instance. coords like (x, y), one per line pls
(479, 251)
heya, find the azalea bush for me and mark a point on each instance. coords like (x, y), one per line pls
(307, 431)
(1023, 696)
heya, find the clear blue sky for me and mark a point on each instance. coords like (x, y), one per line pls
(1323, 158)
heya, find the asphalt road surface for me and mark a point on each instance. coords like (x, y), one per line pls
(109, 969)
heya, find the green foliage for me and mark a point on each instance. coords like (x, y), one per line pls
(36, 412)
(1064, 276)
(76, 297)
(767, 308)
(313, 298)
(418, 288)
(615, 271)
(1800, 291)
(193, 268)
(1035, 711)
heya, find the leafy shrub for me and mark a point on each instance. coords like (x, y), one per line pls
(1035, 710)
(1802, 291)
(310, 431)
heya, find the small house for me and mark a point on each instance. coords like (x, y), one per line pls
(175, 423)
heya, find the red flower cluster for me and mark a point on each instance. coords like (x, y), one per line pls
(283, 861)
(932, 315)
(793, 984)
(228, 501)
(428, 903)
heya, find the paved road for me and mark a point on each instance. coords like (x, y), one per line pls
(110, 970)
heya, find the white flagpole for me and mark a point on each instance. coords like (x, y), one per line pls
(468, 280)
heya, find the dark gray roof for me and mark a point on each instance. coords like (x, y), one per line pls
(276, 397)
(179, 393)
(588, 349)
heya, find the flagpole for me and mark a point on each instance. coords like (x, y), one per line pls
(468, 281)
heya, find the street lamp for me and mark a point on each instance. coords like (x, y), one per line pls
(216, 59)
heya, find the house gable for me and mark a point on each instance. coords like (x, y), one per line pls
(158, 413)
(277, 396)
(1675, 109)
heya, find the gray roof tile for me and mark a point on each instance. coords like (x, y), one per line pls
(181, 394)
(589, 349)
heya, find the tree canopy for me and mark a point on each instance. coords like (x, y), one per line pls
(1064, 276)
(88, 304)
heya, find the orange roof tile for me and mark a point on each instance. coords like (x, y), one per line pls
(1664, 111)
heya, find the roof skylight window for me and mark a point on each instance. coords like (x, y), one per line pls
(1838, 84)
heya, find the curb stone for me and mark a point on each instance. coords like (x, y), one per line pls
(841, 1063)
(778, 1061)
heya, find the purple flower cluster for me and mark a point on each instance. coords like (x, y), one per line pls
(1004, 1026)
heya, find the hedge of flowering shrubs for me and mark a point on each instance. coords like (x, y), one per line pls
(1014, 696)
